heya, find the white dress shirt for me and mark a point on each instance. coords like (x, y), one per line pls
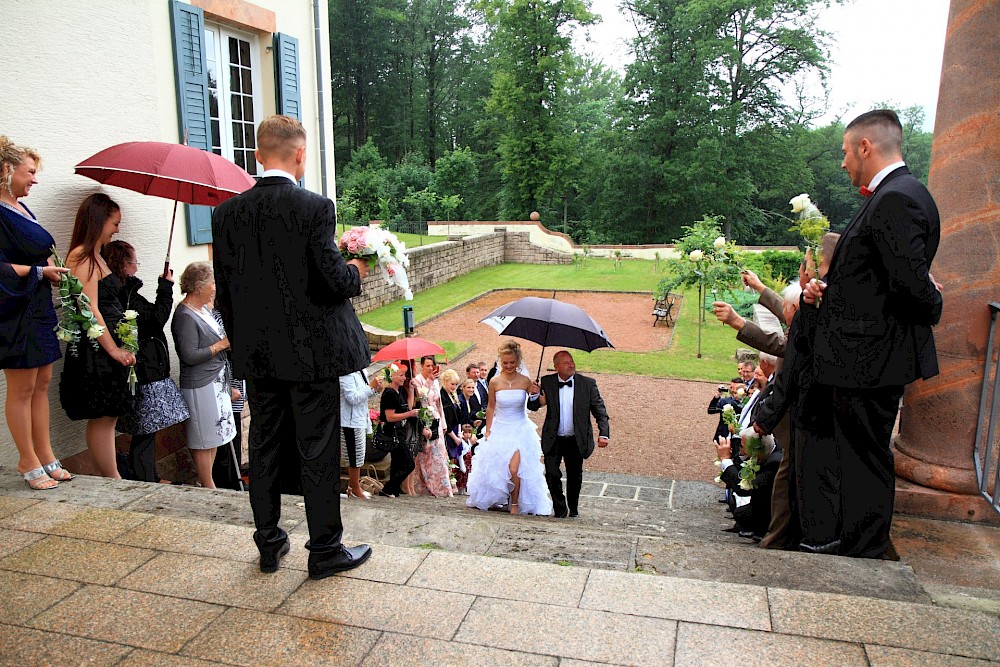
(877, 179)
(279, 172)
(565, 408)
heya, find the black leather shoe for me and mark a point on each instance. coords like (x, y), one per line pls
(269, 562)
(574, 515)
(746, 533)
(561, 513)
(348, 559)
(828, 548)
(734, 529)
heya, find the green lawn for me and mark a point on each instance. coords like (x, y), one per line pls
(678, 361)
(411, 240)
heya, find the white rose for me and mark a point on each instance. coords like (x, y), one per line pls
(130, 314)
(800, 203)
(717, 480)
(408, 295)
(741, 392)
(383, 252)
(720, 243)
(696, 255)
(746, 485)
(728, 408)
(95, 331)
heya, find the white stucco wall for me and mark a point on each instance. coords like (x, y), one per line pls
(82, 75)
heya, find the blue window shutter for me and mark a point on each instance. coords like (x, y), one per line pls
(188, 23)
(286, 75)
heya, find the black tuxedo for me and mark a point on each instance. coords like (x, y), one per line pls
(758, 516)
(284, 293)
(574, 449)
(873, 337)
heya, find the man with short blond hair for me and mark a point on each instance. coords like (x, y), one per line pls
(284, 293)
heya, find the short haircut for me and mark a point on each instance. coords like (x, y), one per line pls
(829, 244)
(881, 127)
(792, 292)
(748, 363)
(426, 357)
(280, 136)
(555, 357)
(196, 275)
(471, 366)
(768, 359)
(116, 254)
(736, 380)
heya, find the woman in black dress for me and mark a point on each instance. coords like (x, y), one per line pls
(94, 383)
(28, 344)
(158, 401)
(395, 411)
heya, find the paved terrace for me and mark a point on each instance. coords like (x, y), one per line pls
(124, 573)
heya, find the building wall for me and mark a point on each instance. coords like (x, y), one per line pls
(82, 75)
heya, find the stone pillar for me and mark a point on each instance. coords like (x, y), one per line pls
(934, 448)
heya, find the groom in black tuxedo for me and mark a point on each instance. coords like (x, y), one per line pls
(873, 335)
(567, 432)
(284, 291)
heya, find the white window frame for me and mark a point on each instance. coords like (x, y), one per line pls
(221, 35)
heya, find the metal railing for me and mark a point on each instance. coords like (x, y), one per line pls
(985, 454)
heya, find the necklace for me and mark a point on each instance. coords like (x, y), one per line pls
(510, 383)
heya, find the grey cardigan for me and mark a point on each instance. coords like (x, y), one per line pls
(192, 339)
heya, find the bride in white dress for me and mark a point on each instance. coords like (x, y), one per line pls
(507, 467)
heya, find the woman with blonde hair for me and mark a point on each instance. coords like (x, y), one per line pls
(509, 468)
(28, 344)
(94, 382)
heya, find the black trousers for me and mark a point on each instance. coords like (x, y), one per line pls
(400, 468)
(225, 472)
(862, 426)
(565, 448)
(816, 476)
(295, 423)
(142, 457)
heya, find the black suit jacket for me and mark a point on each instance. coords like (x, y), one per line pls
(284, 289)
(760, 495)
(879, 306)
(586, 401)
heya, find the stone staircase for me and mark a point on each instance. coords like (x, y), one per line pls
(105, 572)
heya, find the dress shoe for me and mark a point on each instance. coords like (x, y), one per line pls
(574, 515)
(828, 548)
(348, 559)
(561, 513)
(746, 533)
(734, 529)
(269, 562)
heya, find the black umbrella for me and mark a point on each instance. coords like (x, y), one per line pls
(549, 323)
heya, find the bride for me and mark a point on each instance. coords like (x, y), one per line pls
(507, 466)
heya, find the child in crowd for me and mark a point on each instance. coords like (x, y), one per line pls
(465, 460)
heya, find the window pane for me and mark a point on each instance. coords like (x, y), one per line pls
(247, 85)
(239, 159)
(245, 53)
(248, 138)
(216, 135)
(213, 103)
(234, 78)
(248, 109)
(234, 48)
(251, 164)
(237, 135)
(236, 107)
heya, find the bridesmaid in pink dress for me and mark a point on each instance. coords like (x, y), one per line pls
(431, 475)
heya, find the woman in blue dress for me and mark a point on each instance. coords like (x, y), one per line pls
(28, 344)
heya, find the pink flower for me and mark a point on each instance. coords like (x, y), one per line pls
(390, 271)
(352, 247)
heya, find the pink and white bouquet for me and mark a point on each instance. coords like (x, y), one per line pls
(379, 248)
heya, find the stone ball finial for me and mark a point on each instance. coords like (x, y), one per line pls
(534, 216)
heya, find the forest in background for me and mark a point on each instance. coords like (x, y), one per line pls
(484, 110)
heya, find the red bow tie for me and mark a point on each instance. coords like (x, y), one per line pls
(865, 192)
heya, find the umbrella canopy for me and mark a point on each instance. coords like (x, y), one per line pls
(549, 323)
(407, 348)
(171, 171)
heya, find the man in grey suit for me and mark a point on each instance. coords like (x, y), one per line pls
(567, 432)
(284, 293)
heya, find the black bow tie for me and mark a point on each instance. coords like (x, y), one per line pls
(567, 383)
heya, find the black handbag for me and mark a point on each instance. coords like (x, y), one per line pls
(384, 441)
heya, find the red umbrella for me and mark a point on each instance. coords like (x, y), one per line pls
(407, 348)
(172, 171)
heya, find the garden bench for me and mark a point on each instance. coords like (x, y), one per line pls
(663, 309)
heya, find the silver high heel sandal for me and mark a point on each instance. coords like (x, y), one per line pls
(55, 467)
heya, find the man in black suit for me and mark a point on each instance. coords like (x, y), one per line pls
(567, 432)
(752, 520)
(874, 335)
(284, 292)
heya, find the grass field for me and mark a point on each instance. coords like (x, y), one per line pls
(678, 361)
(411, 240)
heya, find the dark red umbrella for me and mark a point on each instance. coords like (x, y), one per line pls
(407, 348)
(172, 171)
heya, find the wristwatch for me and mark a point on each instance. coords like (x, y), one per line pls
(40, 272)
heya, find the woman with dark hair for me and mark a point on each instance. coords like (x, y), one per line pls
(158, 403)
(28, 344)
(94, 383)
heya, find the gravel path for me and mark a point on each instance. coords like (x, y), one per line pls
(659, 427)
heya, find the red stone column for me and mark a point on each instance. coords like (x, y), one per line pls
(934, 448)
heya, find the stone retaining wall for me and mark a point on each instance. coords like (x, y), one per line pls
(518, 249)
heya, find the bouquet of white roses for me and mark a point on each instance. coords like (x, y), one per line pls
(730, 418)
(128, 332)
(379, 248)
(76, 315)
(756, 446)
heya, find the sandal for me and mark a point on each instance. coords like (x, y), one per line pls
(38, 480)
(514, 509)
(57, 472)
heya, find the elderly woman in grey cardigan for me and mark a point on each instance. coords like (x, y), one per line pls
(355, 425)
(201, 345)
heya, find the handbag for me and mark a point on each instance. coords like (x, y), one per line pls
(383, 441)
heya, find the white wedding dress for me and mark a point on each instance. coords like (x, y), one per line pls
(490, 482)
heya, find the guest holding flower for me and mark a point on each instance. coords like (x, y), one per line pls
(27, 319)
(452, 426)
(201, 344)
(158, 403)
(432, 472)
(397, 418)
(94, 384)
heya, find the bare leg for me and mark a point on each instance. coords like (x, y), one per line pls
(20, 390)
(408, 485)
(354, 482)
(515, 463)
(40, 423)
(203, 460)
(101, 443)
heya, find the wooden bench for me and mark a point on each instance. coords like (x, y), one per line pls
(663, 309)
